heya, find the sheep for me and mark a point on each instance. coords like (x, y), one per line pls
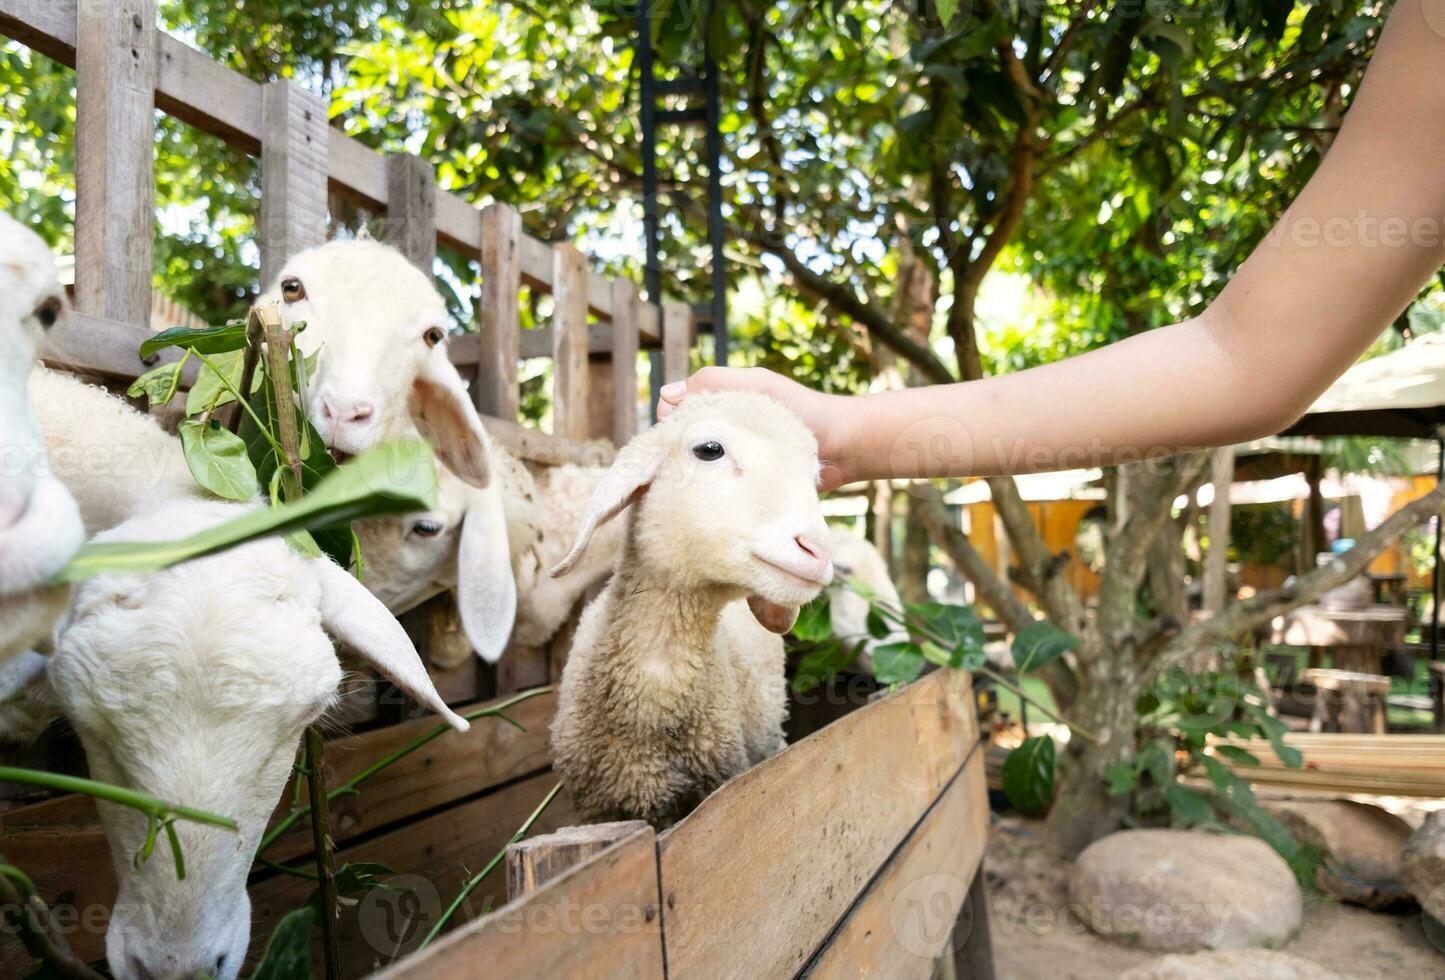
(40, 528)
(856, 558)
(473, 539)
(675, 679)
(193, 684)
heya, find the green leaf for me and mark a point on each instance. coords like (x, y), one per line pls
(288, 951)
(1188, 807)
(1028, 774)
(1237, 755)
(1040, 643)
(208, 390)
(815, 620)
(217, 459)
(393, 478)
(897, 663)
(878, 626)
(946, 10)
(208, 340)
(822, 662)
(159, 384)
(1121, 778)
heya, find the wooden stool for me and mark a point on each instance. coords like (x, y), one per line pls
(1348, 701)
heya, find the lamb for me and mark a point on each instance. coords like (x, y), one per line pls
(675, 679)
(39, 527)
(856, 558)
(194, 684)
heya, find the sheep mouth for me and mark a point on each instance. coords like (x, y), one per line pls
(793, 577)
(341, 457)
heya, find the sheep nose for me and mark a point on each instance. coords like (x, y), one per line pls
(817, 546)
(355, 412)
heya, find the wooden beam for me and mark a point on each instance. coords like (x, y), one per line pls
(534, 862)
(676, 341)
(625, 342)
(569, 343)
(411, 209)
(499, 319)
(86, 343)
(294, 148)
(115, 83)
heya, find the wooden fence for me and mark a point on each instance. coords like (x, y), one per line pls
(800, 866)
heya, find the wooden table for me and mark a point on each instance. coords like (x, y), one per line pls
(1346, 701)
(1356, 638)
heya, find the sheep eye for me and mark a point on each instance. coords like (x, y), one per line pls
(426, 529)
(48, 313)
(434, 336)
(292, 291)
(708, 451)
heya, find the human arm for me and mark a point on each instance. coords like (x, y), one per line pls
(1347, 256)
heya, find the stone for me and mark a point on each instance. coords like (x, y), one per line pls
(1182, 890)
(1255, 964)
(1361, 844)
(1423, 866)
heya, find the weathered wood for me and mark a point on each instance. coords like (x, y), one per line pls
(601, 919)
(522, 668)
(600, 396)
(294, 150)
(209, 96)
(1216, 562)
(495, 388)
(569, 343)
(676, 341)
(91, 344)
(411, 209)
(434, 856)
(625, 342)
(972, 934)
(546, 449)
(115, 82)
(533, 862)
(773, 822)
(905, 919)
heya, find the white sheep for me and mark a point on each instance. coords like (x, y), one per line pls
(675, 679)
(39, 527)
(855, 558)
(194, 684)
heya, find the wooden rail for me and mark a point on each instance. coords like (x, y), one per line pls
(126, 68)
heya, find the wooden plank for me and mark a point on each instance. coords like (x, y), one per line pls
(91, 344)
(625, 342)
(115, 83)
(538, 341)
(598, 920)
(522, 668)
(797, 851)
(536, 446)
(434, 857)
(534, 862)
(499, 321)
(676, 341)
(904, 921)
(972, 934)
(48, 26)
(209, 96)
(294, 150)
(457, 224)
(569, 343)
(357, 171)
(411, 209)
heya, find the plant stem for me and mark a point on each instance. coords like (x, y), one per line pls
(321, 841)
(477, 879)
(25, 914)
(350, 786)
(151, 806)
(241, 401)
(998, 678)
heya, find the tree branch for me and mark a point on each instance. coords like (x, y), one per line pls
(1043, 572)
(27, 915)
(993, 592)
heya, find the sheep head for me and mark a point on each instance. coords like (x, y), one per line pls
(194, 685)
(381, 329)
(724, 496)
(39, 525)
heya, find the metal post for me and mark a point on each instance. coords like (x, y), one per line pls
(715, 230)
(651, 228)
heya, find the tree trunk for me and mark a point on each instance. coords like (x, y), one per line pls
(913, 582)
(1216, 562)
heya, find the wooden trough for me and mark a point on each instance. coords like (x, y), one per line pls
(853, 851)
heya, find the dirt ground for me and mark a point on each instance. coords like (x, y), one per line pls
(1035, 939)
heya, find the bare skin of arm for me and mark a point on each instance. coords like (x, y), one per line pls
(1351, 252)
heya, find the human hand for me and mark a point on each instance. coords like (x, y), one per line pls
(827, 415)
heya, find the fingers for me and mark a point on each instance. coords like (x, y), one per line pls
(714, 379)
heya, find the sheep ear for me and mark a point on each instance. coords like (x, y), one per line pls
(486, 591)
(443, 412)
(771, 616)
(356, 618)
(633, 471)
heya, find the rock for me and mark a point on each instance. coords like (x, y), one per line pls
(1181, 890)
(1362, 845)
(1423, 866)
(1254, 964)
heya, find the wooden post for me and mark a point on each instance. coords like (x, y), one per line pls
(1216, 561)
(625, 313)
(972, 944)
(534, 862)
(676, 341)
(495, 388)
(294, 150)
(411, 209)
(115, 60)
(569, 342)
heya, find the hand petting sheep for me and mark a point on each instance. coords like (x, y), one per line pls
(675, 681)
(39, 527)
